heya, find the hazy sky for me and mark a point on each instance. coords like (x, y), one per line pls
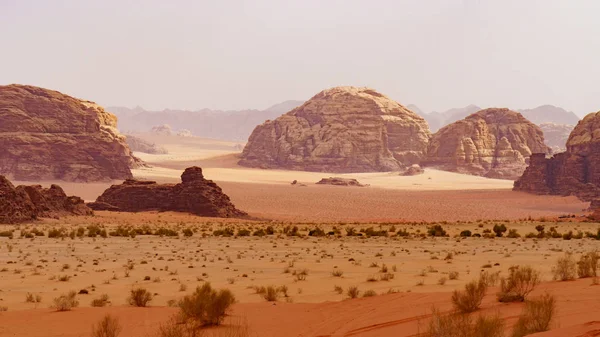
(224, 54)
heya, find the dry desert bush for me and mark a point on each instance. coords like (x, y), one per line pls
(536, 317)
(65, 302)
(206, 306)
(588, 265)
(565, 268)
(520, 282)
(463, 325)
(469, 300)
(139, 297)
(107, 327)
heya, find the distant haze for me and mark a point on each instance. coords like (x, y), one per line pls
(236, 55)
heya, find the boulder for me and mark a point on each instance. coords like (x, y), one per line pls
(139, 145)
(194, 195)
(414, 170)
(494, 143)
(26, 203)
(573, 172)
(340, 182)
(343, 129)
(46, 135)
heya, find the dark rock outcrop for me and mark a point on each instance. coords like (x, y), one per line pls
(495, 143)
(342, 129)
(46, 135)
(340, 182)
(574, 172)
(26, 203)
(194, 195)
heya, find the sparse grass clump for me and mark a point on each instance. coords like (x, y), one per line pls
(520, 282)
(353, 292)
(107, 327)
(66, 302)
(470, 299)
(271, 294)
(206, 306)
(139, 297)
(101, 301)
(337, 273)
(565, 268)
(462, 325)
(536, 317)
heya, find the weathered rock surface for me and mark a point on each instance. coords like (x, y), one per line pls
(162, 130)
(574, 172)
(556, 135)
(413, 170)
(494, 143)
(25, 203)
(140, 145)
(194, 195)
(343, 129)
(340, 182)
(46, 135)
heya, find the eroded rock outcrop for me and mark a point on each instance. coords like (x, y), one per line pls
(340, 182)
(194, 194)
(413, 170)
(494, 143)
(46, 135)
(343, 129)
(140, 145)
(574, 172)
(556, 135)
(162, 130)
(25, 203)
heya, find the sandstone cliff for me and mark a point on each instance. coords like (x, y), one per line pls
(494, 143)
(25, 203)
(46, 135)
(194, 195)
(343, 129)
(574, 172)
(556, 135)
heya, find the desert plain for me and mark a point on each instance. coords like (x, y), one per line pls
(296, 240)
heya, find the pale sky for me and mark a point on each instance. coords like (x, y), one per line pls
(221, 54)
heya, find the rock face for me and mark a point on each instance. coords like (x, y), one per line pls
(340, 182)
(194, 195)
(46, 135)
(162, 130)
(574, 172)
(25, 203)
(494, 143)
(556, 135)
(139, 145)
(343, 129)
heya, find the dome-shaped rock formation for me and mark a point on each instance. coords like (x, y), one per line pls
(194, 195)
(25, 203)
(494, 143)
(46, 135)
(574, 172)
(343, 129)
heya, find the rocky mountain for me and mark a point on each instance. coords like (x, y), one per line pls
(494, 143)
(46, 135)
(342, 129)
(26, 203)
(556, 135)
(573, 172)
(550, 114)
(216, 124)
(139, 145)
(194, 194)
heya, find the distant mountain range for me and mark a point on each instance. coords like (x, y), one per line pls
(237, 125)
(539, 115)
(234, 125)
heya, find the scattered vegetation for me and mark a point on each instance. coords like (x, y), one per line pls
(520, 282)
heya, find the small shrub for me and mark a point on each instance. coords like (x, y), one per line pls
(565, 268)
(66, 302)
(470, 299)
(588, 265)
(353, 292)
(107, 327)
(206, 306)
(338, 289)
(369, 293)
(466, 233)
(453, 275)
(101, 301)
(520, 282)
(536, 317)
(462, 325)
(139, 297)
(337, 273)
(436, 230)
(499, 230)
(271, 294)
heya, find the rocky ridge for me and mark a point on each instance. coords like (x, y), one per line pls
(26, 203)
(194, 194)
(495, 143)
(46, 135)
(342, 129)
